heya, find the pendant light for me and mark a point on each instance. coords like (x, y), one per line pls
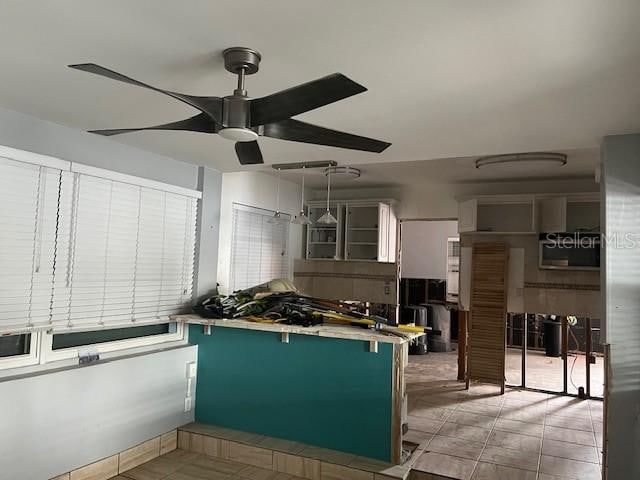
(277, 217)
(301, 218)
(327, 218)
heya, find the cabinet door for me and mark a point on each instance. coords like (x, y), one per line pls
(383, 232)
(468, 216)
(552, 214)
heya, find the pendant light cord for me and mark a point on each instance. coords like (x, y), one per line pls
(278, 193)
(328, 187)
(302, 196)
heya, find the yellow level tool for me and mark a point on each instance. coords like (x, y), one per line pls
(377, 325)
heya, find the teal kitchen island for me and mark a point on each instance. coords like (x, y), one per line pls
(331, 386)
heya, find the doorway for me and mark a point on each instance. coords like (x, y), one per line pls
(555, 354)
(428, 268)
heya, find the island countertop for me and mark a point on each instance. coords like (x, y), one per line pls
(322, 330)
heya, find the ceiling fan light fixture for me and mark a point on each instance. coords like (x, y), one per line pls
(348, 173)
(549, 158)
(238, 134)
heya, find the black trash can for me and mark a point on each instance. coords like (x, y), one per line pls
(552, 336)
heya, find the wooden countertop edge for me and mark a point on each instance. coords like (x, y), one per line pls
(327, 331)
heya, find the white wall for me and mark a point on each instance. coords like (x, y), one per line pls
(206, 273)
(621, 286)
(56, 422)
(255, 189)
(51, 422)
(22, 131)
(424, 248)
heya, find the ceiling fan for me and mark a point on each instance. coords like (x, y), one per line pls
(242, 119)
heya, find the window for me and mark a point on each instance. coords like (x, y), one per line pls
(11, 345)
(93, 337)
(259, 247)
(29, 196)
(130, 258)
(85, 252)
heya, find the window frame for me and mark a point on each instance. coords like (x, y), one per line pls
(26, 359)
(51, 355)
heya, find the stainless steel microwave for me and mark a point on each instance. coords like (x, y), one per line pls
(569, 251)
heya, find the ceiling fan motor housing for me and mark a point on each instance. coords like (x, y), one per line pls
(236, 108)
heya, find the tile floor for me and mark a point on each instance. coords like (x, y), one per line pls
(481, 435)
(183, 465)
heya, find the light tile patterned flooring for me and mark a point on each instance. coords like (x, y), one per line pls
(182, 465)
(482, 435)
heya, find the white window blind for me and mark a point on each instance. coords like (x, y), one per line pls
(130, 253)
(29, 199)
(259, 250)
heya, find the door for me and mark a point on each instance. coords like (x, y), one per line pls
(487, 329)
(383, 232)
(552, 215)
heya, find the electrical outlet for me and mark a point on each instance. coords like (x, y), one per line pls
(187, 404)
(192, 370)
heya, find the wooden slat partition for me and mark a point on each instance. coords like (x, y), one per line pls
(487, 319)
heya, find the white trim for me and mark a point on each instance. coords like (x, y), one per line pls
(31, 358)
(258, 211)
(109, 347)
(133, 180)
(34, 158)
(92, 327)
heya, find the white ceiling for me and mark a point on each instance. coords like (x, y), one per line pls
(581, 164)
(446, 79)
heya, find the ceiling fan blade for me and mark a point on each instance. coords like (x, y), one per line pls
(200, 123)
(249, 153)
(298, 131)
(308, 96)
(209, 105)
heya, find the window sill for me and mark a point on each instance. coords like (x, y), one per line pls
(54, 366)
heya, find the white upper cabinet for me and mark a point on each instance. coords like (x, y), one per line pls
(370, 232)
(325, 241)
(529, 214)
(468, 216)
(552, 214)
(366, 231)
